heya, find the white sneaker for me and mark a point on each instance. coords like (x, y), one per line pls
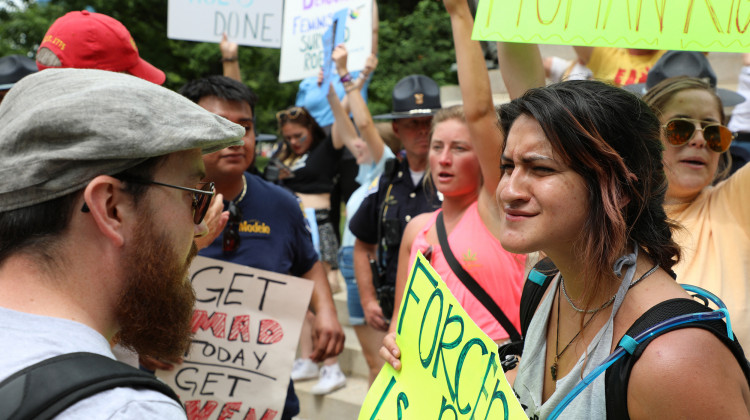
(331, 379)
(304, 369)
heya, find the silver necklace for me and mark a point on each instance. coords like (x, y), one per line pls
(244, 190)
(577, 309)
(607, 303)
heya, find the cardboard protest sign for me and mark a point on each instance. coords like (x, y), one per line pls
(692, 25)
(305, 22)
(449, 367)
(247, 324)
(246, 22)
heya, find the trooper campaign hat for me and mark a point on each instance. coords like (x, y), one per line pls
(414, 96)
(13, 68)
(685, 63)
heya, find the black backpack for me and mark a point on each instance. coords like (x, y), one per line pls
(43, 390)
(618, 374)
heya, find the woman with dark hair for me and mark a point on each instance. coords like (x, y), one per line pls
(583, 182)
(307, 162)
(713, 213)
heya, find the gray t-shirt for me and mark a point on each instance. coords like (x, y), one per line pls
(26, 339)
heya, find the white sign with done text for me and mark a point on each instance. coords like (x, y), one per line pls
(247, 22)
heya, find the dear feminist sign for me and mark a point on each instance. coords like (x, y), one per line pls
(693, 25)
(306, 22)
(246, 324)
(449, 367)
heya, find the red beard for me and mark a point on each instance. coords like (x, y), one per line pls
(156, 307)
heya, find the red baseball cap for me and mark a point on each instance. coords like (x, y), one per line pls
(87, 40)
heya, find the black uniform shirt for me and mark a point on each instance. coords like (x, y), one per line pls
(405, 200)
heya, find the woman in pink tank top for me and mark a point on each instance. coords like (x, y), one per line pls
(471, 225)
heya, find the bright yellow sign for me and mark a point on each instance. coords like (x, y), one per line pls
(692, 25)
(449, 367)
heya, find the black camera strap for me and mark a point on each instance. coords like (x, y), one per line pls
(390, 170)
(471, 284)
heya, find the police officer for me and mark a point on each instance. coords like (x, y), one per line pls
(394, 199)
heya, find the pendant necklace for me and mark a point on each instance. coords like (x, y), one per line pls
(553, 368)
(593, 312)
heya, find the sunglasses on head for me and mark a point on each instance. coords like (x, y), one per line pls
(230, 239)
(289, 114)
(679, 131)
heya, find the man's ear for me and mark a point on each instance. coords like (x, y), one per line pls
(109, 206)
(394, 126)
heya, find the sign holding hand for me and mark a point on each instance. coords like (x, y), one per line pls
(449, 367)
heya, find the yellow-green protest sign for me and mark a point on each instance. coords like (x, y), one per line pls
(449, 367)
(692, 25)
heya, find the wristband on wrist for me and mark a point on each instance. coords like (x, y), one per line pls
(228, 59)
(346, 78)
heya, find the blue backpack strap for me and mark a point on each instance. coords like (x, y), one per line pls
(534, 287)
(43, 390)
(618, 375)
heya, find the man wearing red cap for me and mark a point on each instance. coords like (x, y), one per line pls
(87, 40)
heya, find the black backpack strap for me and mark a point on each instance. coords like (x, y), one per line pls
(618, 375)
(471, 284)
(534, 287)
(43, 390)
(536, 284)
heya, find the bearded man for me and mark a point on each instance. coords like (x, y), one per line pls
(100, 203)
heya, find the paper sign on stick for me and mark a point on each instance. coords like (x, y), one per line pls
(305, 22)
(692, 25)
(247, 324)
(449, 367)
(331, 38)
(246, 22)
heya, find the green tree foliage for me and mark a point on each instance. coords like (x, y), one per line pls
(414, 37)
(420, 41)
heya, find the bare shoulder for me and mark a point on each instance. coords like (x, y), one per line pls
(413, 228)
(417, 223)
(688, 373)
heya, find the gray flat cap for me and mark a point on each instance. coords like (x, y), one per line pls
(60, 128)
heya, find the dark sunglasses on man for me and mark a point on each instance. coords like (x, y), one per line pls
(201, 197)
(230, 239)
(679, 131)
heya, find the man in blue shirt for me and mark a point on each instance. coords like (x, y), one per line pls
(266, 228)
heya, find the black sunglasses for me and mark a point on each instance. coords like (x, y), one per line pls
(201, 197)
(679, 131)
(230, 239)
